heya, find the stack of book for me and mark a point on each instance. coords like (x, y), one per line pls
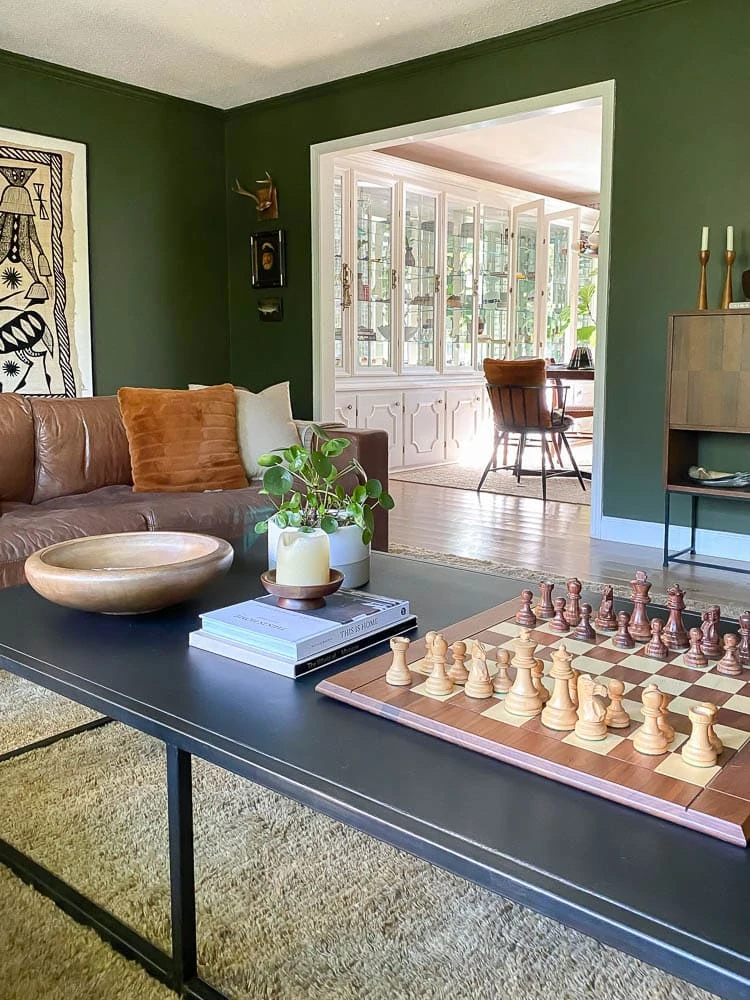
(293, 643)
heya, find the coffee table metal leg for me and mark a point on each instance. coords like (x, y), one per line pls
(181, 864)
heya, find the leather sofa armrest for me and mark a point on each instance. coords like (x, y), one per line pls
(370, 448)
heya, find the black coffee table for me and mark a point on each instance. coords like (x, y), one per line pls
(674, 898)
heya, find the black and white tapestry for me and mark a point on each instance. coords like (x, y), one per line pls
(45, 329)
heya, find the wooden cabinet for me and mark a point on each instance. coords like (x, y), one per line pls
(346, 408)
(384, 411)
(464, 419)
(424, 427)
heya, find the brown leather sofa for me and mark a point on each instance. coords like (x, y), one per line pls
(65, 473)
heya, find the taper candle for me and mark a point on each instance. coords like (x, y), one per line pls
(704, 238)
(730, 237)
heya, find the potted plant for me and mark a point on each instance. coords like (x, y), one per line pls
(305, 486)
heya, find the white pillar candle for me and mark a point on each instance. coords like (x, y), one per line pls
(303, 558)
(704, 238)
(730, 237)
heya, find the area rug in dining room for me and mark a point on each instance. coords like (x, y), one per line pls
(453, 475)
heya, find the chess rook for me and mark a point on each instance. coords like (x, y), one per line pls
(545, 609)
(638, 626)
(698, 750)
(398, 673)
(675, 635)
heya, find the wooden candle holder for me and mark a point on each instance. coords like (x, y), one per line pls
(726, 296)
(703, 256)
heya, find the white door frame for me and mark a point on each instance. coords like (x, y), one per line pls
(321, 179)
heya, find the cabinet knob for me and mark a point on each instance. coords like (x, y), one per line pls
(349, 406)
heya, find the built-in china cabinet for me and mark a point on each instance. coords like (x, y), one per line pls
(433, 273)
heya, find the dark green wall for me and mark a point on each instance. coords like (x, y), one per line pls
(681, 159)
(157, 237)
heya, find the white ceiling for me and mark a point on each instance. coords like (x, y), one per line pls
(556, 152)
(230, 52)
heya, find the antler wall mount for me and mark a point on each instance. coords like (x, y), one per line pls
(265, 197)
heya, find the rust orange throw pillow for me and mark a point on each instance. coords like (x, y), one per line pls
(182, 441)
(531, 371)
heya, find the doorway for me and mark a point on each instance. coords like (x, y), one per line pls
(446, 310)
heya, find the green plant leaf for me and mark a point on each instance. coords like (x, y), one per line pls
(374, 488)
(585, 332)
(321, 463)
(359, 494)
(386, 501)
(261, 527)
(265, 460)
(277, 481)
(281, 519)
(294, 502)
(320, 432)
(295, 518)
(329, 524)
(335, 447)
(366, 536)
(339, 493)
(369, 519)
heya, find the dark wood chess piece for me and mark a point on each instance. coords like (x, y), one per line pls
(525, 616)
(639, 627)
(558, 623)
(584, 632)
(695, 657)
(623, 639)
(605, 620)
(656, 649)
(711, 642)
(729, 664)
(573, 607)
(545, 608)
(675, 635)
(743, 650)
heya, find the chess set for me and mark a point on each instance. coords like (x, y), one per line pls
(632, 708)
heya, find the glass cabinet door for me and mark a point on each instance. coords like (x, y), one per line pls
(460, 284)
(561, 287)
(420, 279)
(375, 275)
(494, 266)
(526, 226)
(588, 261)
(341, 288)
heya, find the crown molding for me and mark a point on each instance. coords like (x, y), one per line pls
(439, 60)
(80, 78)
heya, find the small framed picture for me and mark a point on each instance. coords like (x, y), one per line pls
(267, 257)
(271, 310)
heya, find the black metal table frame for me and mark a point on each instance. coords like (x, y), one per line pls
(676, 557)
(624, 928)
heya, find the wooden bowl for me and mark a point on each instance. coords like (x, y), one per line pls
(129, 573)
(301, 598)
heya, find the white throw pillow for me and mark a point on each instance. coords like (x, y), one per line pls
(264, 422)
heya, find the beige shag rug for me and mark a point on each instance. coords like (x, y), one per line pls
(29, 713)
(291, 905)
(466, 477)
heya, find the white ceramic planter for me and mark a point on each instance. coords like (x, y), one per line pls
(348, 554)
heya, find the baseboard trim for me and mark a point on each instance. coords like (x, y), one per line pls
(721, 544)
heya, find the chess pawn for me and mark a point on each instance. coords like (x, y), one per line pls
(638, 626)
(698, 750)
(426, 665)
(729, 664)
(695, 657)
(523, 698)
(663, 720)
(584, 632)
(711, 644)
(657, 648)
(675, 635)
(713, 739)
(743, 650)
(438, 683)
(560, 712)
(479, 683)
(605, 619)
(545, 608)
(592, 710)
(502, 677)
(650, 739)
(457, 670)
(572, 608)
(537, 672)
(558, 623)
(617, 717)
(398, 674)
(623, 639)
(524, 615)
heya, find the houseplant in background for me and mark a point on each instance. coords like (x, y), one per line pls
(306, 487)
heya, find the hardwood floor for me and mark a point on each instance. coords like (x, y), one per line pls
(513, 530)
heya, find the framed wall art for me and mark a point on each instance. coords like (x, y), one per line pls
(45, 321)
(267, 255)
(271, 310)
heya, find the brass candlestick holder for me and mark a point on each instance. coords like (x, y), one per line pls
(703, 256)
(726, 295)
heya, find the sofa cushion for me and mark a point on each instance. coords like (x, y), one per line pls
(20, 536)
(525, 371)
(182, 441)
(16, 447)
(264, 423)
(80, 446)
(230, 514)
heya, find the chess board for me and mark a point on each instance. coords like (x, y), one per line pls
(714, 800)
